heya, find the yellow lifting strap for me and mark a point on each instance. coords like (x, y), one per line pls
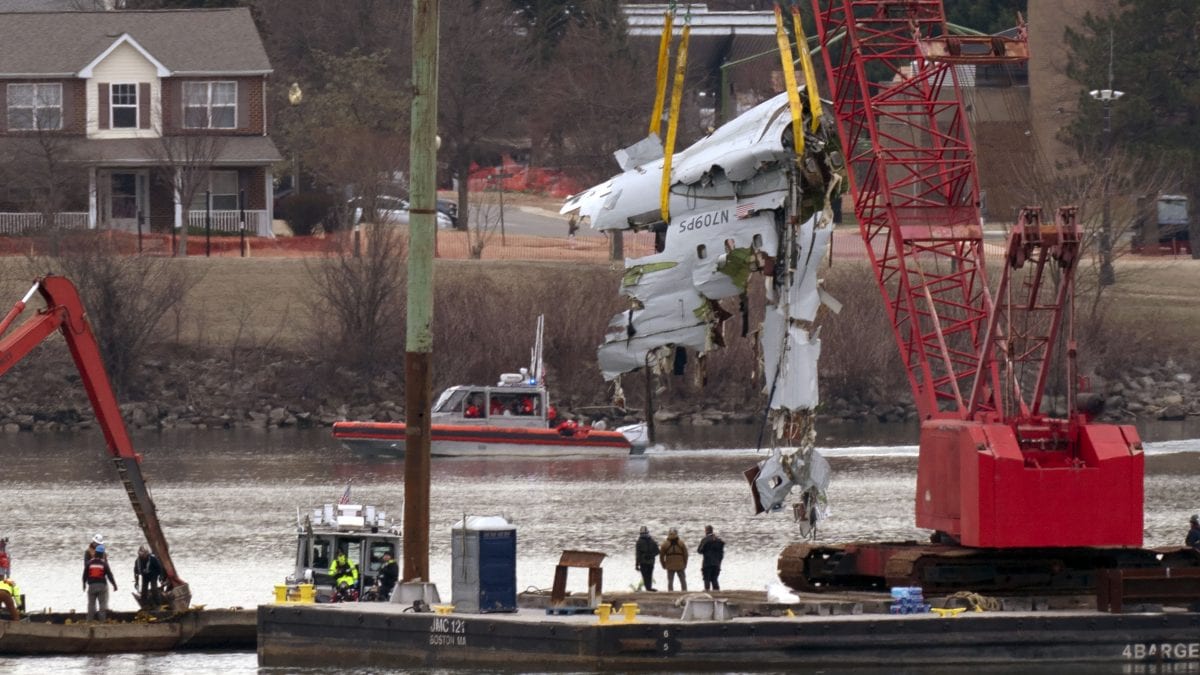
(789, 77)
(673, 120)
(664, 57)
(810, 75)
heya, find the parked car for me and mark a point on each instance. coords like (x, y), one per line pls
(394, 211)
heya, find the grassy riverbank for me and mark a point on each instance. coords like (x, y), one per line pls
(249, 337)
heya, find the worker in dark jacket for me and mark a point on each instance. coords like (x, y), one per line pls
(673, 555)
(644, 556)
(96, 577)
(389, 574)
(712, 549)
(149, 571)
(1193, 535)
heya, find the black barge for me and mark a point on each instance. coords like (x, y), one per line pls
(391, 635)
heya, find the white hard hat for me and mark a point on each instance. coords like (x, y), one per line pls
(98, 539)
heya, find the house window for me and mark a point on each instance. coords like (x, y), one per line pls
(124, 106)
(209, 105)
(224, 188)
(34, 106)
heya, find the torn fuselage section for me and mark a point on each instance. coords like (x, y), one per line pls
(741, 203)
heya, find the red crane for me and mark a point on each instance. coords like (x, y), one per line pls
(64, 313)
(996, 469)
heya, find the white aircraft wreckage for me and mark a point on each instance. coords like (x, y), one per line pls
(742, 202)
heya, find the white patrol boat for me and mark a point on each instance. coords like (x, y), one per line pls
(363, 532)
(514, 418)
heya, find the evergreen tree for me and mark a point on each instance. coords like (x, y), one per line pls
(1156, 63)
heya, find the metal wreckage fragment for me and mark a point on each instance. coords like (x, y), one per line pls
(741, 203)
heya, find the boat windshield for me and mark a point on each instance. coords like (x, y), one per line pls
(378, 548)
(451, 400)
(518, 403)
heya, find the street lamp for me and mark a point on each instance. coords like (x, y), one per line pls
(1107, 96)
(295, 96)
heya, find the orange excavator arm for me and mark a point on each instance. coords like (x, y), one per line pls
(64, 312)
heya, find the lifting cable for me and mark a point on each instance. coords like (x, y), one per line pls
(810, 74)
(788, 62)
(673, 115)
(664, 58)
(787, 59)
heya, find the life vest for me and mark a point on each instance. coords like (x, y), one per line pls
(95, 570)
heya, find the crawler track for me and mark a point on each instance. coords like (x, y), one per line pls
(947, 569)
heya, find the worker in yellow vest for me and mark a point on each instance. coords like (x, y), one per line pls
(345, 578)
(10, 598)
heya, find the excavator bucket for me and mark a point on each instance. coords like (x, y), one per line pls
(179, 598)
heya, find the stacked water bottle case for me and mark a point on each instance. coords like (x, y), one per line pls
(908, 600)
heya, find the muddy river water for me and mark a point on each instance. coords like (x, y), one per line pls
(229, 503)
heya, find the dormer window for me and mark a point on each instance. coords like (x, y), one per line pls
(124, 105)
(33, 107)
(209, 105)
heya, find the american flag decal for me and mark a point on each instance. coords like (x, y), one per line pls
(745, 210)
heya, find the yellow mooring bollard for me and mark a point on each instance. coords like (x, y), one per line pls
(630, 610)
(281, 592)
(603, 610)
(307, 593)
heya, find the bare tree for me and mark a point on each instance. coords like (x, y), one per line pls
(483, 82)
(358, 308)
(351, 129)
(189, 158)
(40, 169)
(1127, 177)
(126, 297)
(600, 103)
(484, 223)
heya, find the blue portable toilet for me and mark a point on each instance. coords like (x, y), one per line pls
(483, 554)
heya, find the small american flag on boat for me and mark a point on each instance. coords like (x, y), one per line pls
(345, 498)
(745, 210)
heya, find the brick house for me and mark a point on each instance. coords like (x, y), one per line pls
(121, 119)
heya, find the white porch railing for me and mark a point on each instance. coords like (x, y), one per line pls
(229, 222)
(20, 223)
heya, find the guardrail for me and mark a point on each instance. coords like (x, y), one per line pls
(21, 223)
(230, 222)
(1177, 586)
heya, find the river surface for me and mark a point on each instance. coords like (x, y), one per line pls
(228, 502)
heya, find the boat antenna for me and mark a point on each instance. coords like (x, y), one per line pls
(537, 369)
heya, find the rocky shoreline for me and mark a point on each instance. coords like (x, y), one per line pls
(208, 394)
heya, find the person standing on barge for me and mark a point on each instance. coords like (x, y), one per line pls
(96, 577)
(645, 552)
(712, 548)
(97, 540)
(674, 554)
(1193, 535)
(149, 571)
(10, 599)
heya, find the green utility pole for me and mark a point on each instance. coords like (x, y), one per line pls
(418, 356)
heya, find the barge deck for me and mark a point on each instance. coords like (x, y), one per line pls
(45, 634)
(385, 635)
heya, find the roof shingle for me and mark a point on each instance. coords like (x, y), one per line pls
(185, 41)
